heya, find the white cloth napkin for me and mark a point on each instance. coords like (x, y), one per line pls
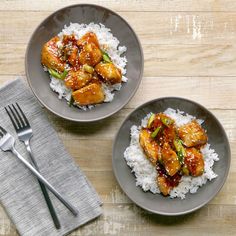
(20, 193)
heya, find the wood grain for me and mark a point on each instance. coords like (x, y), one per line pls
(198, 89)
(160, 60)
(119, 5)
(160, 28)
(190, 51)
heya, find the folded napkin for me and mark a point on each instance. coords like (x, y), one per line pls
(20, 193)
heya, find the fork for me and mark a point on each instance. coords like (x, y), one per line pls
(24, 133)
(7, 143)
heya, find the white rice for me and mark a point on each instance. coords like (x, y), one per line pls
(108, 43)
(146, 173)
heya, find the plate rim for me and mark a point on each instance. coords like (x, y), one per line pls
(204, 202)
(121, 105)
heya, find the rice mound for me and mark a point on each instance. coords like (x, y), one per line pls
(109, 44)
(145, 172)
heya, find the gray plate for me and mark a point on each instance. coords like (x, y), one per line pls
(51, 26)
(156, 203)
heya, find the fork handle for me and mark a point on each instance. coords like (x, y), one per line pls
(44, 190)
(49, 186)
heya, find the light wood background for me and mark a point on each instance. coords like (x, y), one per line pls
(190, 51)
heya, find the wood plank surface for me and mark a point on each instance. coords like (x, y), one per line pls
(198, 89)
(190, 51)
(152, 28)
(160, 60)
(120, 5)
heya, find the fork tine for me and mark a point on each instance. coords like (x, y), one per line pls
(11, 118)
(14, 115)
(1, 134)
(19, 116)
(3, 131)
(23, 114)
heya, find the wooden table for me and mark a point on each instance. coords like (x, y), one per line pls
(190, 51)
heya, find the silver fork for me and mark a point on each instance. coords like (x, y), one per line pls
(7, 143)
(25, 133)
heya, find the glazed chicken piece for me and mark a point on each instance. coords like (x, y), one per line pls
(149, 146)
(88, 95)
(69, 39)
(50, 56)
(165, 182)
(70, 49)
(170, 160)
(160, 119)
(73, 56)
(77, 79)
(90, 55)
(154, 121)
(109, 72)
(192, 134)
(194, 162)
(163, 185)
(168, 135)
(89, 37)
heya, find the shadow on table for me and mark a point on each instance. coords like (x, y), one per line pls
(99, 127)
(166, 220)
(171, 220)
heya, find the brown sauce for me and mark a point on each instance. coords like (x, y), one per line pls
(172, 181)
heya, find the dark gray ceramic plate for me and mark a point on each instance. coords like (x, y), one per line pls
(156, 203)
(51, 26)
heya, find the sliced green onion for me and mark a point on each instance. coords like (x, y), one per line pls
(64, 74)
(155, 132)
(57, 75)
(180, 156)
(178, 144)
(150, 121)
(54, 73)
(71, 102)
(88, 68)
(167, 121)
(185, 170)
(105, 57)
(160, 161)
(181, 153)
